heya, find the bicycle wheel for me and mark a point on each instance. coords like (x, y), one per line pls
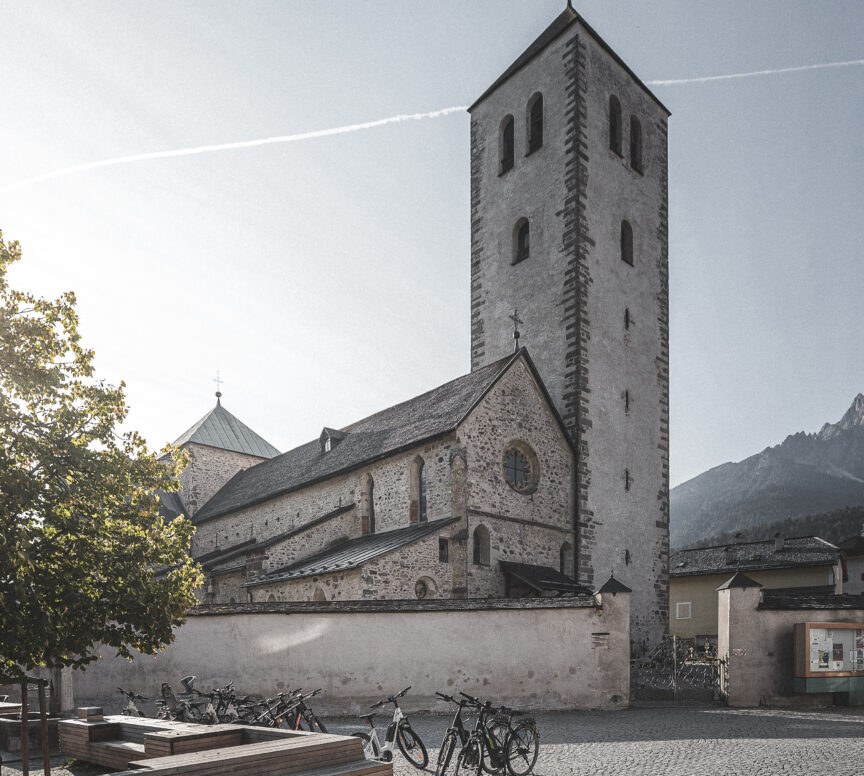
(315, 725)
(368, 748)
(470, 758)
(523, 746)
(494, 746)
(445, 753)
(412, 747)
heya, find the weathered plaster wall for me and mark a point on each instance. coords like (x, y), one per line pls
(760, 648)
(492, 650)
(701, 592)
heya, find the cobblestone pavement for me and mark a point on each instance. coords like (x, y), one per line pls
(684, 741)
(667, 740)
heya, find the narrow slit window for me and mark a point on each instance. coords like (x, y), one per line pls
(635, 144)
(535, 123)
(506, 145)
(615, 124)
(627, 243)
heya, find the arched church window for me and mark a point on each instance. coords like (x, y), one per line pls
(535, 123)
(521, 240)
(367, 505)
(627, 243)
(635, 144)
(417, 491)
(481, 546)
(318, 594)
(422, 483)
(506, 145)
(615, 124)
(271, 598)
(566, 558)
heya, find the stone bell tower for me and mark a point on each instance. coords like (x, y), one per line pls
(569, 226)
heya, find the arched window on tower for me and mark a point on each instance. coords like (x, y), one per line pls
(481, 546)
(506, 145)
(521, 240)
(615, 124)
(565, 559)
(627, 243)
(635, 144)
(535, 123)
(417, 492)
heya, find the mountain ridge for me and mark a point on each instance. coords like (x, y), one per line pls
(805, 474)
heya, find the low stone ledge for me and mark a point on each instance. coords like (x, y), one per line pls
(396, 606)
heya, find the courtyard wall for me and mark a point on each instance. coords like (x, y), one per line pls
(534, 653)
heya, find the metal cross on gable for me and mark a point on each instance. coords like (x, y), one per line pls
(516, 321)
(218, 382)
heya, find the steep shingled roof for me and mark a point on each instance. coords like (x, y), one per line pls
(219, 428)
(354, 552)
(429, 415)
(752, 556)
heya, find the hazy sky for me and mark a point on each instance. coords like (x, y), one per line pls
(328, 278)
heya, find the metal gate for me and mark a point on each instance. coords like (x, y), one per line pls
(680, 669)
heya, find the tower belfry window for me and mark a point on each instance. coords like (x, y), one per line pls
(521, 240)
(535, 123)
(615, 124)
(506, 145)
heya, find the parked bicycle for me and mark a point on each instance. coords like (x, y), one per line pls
(399, 735)
(497, 744)
(455, 737)
(131, 708)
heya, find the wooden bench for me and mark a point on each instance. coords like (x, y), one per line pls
(146, 747)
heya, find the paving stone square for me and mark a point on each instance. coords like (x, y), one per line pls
(682, 740)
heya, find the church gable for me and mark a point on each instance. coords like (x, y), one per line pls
(518, 452)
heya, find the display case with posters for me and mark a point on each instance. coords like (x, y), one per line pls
(829, 649)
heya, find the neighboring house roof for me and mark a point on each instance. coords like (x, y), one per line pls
(773, 599)
(353, 553)
(739, 580)
(390, 431)
(170, 505)
(752, 556)
(219, 428)
(542, 578)
(566, 19)
(852, 546)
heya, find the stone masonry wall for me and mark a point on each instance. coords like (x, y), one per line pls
(292, 510)
(608, 378)
(523, 527)
(208, 470)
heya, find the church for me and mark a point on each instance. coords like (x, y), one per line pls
(537, 473)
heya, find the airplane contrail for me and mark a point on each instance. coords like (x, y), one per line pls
(365, 125)
(706, 78)
(229, 146)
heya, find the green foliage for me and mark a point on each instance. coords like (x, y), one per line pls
(85, 557)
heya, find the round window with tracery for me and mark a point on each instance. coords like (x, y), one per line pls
(521, 469)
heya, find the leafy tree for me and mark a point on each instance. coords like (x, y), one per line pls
(85, 557)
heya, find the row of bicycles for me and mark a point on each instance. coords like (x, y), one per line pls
(221, 704)
(501, 740)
